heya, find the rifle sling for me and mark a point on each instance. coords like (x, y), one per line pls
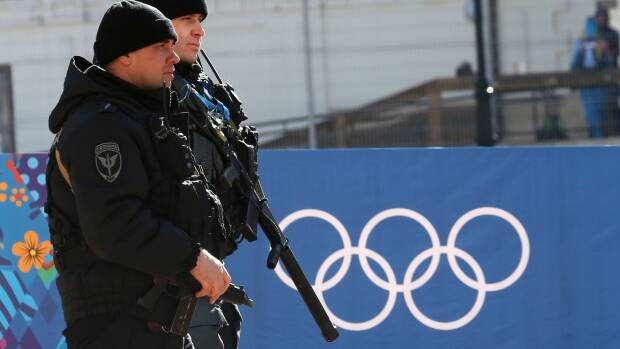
(61, 167)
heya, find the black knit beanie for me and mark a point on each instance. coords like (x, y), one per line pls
(128, 26)
(177, 8)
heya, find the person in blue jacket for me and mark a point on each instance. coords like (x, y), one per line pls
(592, 53)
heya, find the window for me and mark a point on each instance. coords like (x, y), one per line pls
(7, 131)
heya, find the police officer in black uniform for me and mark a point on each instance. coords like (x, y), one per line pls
(207, 114)
(116, 189)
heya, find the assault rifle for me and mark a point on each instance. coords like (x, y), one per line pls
(241, 176)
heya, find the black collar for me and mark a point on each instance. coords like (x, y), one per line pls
(149, 99)
(190, 71)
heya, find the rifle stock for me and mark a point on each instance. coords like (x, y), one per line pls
(281, 249)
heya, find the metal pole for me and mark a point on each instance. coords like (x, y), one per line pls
(490, 52)
(325, 60)
(484, 127)
(309, 83)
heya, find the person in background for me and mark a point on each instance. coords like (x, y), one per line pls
(591, 53)
(607, 33)
(610, 36)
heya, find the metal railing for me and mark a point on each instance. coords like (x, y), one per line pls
(531, 108)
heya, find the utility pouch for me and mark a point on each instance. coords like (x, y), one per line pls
(198, 211)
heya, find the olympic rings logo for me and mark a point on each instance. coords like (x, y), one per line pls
(409, 285)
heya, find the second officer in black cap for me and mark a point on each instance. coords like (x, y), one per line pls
(213, 326)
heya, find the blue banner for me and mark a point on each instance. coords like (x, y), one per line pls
(421, 248)
(442, 248)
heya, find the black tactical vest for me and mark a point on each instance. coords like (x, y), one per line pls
(183, 195)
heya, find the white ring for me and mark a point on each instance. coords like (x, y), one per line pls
(342, 231)
(398, 212)
(525, 248)
(409, 285)
(438, 325)
(389, 305)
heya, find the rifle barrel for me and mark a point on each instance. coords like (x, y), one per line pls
(329, 331)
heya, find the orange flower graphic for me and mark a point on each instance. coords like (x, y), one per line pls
(3, 187)
(18, 197)
(31, 252)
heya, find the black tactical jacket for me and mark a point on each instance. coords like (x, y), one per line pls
(187, 77)
(117, 208)
(188, 80)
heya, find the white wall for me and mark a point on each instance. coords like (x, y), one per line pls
(361, 49)
(37, 38)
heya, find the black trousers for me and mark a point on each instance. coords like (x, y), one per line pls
(122, 331)
(216, 327)
(230, 333)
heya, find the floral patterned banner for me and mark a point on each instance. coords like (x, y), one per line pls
(30, 312)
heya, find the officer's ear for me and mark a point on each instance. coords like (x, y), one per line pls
(127, 59)
(120, 66)
(121, 62)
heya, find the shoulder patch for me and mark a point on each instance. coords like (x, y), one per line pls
(108, 161)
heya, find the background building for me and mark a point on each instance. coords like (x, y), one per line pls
(361, 51)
